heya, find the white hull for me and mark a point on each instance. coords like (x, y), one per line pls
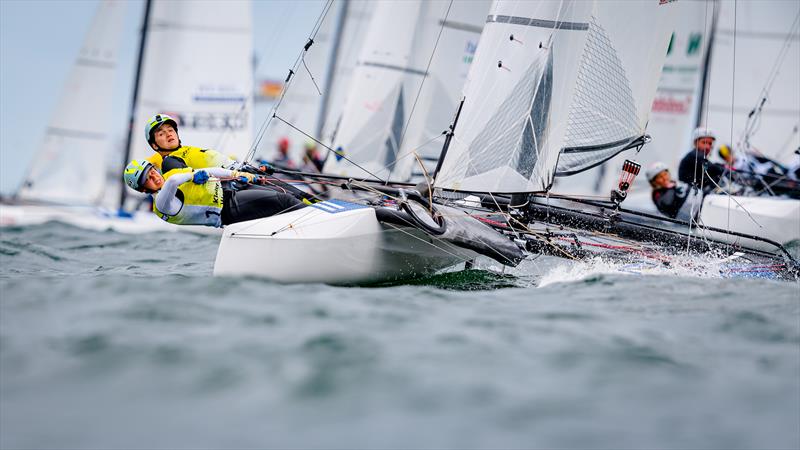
(313, 245)
(92, 218)
(777, 219)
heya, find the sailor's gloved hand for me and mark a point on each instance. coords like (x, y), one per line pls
(245, 177)
(200, 177)
(261, 180)
(266, 168)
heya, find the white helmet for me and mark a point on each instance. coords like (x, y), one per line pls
(701, 132)
(655, 169)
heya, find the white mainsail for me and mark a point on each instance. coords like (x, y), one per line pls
(391, 69)
(747, 50)
(556, 86)
(198, 68)
(517, 98)
(70, 165)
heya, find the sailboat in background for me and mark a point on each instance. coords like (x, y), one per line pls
(398, 74)
(195, 62)
(314, 102)
(753, 75)
(66, 180)
(697, 87)
(752, 100)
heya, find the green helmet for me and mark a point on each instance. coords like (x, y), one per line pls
(136, 172)
(156, 121)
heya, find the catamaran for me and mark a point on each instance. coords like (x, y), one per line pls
(554, 88)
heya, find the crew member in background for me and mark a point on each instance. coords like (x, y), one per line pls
(677, 200)
(282, 159)
(751, 163)
(193, 197)
(312, 162)
(794, 169)
(695, 168)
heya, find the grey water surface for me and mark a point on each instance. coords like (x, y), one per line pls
(119, 341)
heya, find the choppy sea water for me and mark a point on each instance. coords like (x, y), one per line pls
(117, 341)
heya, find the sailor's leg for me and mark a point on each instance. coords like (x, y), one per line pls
(255, 204)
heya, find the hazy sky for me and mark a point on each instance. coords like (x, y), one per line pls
(39, 40)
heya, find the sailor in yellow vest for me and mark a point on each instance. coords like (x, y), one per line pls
(198, 197)
(161, 132)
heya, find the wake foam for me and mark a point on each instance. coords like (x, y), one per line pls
(691, 266)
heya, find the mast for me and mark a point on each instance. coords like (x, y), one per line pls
(447, 140)
(332, 63)
(701, 104)
(129, 138)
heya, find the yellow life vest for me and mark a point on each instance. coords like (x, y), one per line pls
(195, 157)
(202, 203)
(156, 160)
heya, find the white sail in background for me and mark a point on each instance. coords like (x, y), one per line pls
(675, 107)
(331, 63)
(356, 24)
(198, 68)
(517, 98)
(756, 31)
(391, 69)
(303, 100)
(441, 93)
(70, 166)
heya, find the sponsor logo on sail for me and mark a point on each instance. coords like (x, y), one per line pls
(671, 105)
(469, 51)
(211, 121)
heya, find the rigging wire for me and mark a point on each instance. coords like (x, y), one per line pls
(310, 75)
(733, 102)
(707, 90)
(328, 148)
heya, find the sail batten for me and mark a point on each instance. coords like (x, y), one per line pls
(541, 23)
